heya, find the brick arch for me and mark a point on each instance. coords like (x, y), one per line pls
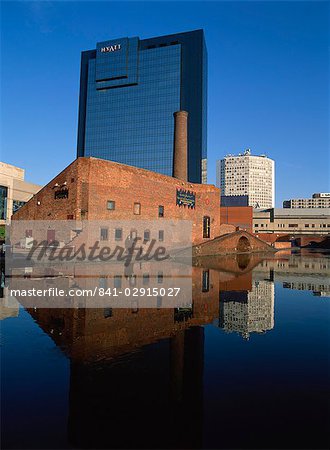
(243, 245)
(237, 242)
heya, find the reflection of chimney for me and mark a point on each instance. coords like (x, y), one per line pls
(180, 161)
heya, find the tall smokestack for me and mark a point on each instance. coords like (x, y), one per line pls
(180, 160)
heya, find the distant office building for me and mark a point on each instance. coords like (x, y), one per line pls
(248, 312)
(14, 191)
(129, 90)
(286, 220)
(248, 175)
(319, 200)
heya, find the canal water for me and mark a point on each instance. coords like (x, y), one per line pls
(245, 366)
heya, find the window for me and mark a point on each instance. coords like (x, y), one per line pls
(28, 233)
(50, 236)
(313, 225)
(137, 208)
(103, 282)
(306, 225)
(135, 308)
(3, 202)
(145, 279)
(117, 281)
(118, 234)
(205, 281)
(161, 235)
(107, 312)
(17, 204)
(62, 193)
(256, 225)
(160, 277)
(132, 280)
(69, 216)
(206, 227)
(104, 234)
(159, 302)
(293, 225)
(160, 211)
(111, 205)
(146, 235)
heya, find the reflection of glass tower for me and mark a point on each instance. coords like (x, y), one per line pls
(248, 312)
(117, 383)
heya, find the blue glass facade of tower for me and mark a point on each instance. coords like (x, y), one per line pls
(129, 90)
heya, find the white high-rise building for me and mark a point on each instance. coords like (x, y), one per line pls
(249, 175)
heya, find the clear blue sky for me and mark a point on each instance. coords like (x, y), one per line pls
(268, 80)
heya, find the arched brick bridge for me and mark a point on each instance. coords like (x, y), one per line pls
(237, 242)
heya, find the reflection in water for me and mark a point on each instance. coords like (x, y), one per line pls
(243, 260)
(303, 272)
(139, 399)
(9, 306)
(247, 312)
(137, 375)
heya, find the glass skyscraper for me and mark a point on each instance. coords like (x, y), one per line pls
(129, 90)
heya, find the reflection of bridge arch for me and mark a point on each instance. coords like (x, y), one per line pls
(243, 245)
(243, 261)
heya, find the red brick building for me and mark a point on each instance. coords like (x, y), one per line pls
(96, 189)
(238, 216)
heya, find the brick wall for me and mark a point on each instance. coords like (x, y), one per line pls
(92, 182)
(44, 206)
(238, 216)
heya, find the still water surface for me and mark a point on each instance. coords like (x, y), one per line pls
(247, 366)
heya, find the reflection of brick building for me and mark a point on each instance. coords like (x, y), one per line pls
(117, 381)
(151, 398)
(124, 393)
(89, 334)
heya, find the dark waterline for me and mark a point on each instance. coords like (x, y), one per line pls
(247, 368)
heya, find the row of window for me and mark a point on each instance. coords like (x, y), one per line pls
(111, 205)
(117, 280)
(294, 225)
(108, 312)
(104, 233)
(118, 234)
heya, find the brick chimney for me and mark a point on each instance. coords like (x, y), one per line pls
(180, 159)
